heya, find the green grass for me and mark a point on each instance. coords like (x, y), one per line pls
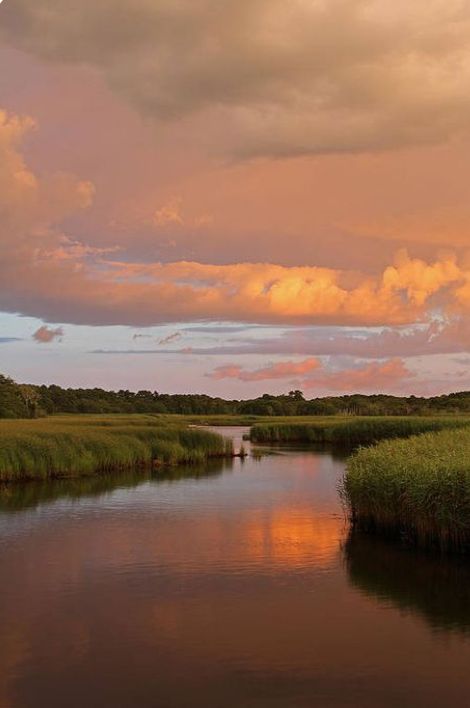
(417, 489)
(347, 432)
(83, 445)
(301, 430)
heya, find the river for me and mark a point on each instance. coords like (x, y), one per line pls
(236, 584)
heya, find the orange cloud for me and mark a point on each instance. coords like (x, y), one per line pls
(418, 279)
(283, 370)
(53, 276)
(263, 292)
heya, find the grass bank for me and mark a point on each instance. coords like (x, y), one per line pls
(416, 489)
(349, 433)
(66, 446)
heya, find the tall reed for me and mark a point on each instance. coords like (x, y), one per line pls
(416, 489)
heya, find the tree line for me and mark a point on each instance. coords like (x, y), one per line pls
(28, 401)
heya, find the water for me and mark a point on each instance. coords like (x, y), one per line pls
(231, 585)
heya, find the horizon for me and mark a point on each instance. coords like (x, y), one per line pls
(237, 202)
(285, 394)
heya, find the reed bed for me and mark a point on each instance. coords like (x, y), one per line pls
(417, 489)
(317, 431)
(349, 433)
(84, 445)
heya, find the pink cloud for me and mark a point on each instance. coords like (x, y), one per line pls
(46, 335)
(282, 370)
(310, 374)
(376, 377)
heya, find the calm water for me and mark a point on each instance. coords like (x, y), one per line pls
(233, 585)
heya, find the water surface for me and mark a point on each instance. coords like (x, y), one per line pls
(235, 584)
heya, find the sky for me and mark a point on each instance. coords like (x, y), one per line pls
(236, 197)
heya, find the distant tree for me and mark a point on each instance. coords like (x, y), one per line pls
(22, 401)
(31, 397)
(11, 401)
(296, 395)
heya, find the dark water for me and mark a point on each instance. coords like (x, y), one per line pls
(233, 585)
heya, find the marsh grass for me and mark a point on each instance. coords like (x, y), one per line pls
(295, 432)
(347, 433)
(417, 489)
(84, 445)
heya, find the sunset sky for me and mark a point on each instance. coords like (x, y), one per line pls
(236, 196)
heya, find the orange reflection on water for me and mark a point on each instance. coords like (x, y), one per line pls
(293, 538)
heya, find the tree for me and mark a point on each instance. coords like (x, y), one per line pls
(296, 395)
(31, 397)
(11, 402)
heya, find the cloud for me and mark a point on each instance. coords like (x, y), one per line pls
(219, 329)
(31, 207)
(269, 77)
(171, 218)
(310, 374)
(169, 214)
(46, 335)
(48, 274)
(112, 292)
(443, 336)
(170, 338)
(282, 370)
(374, 377)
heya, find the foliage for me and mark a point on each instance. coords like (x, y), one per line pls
(12, 404)
(54, 400)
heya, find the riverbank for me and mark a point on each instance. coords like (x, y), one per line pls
(409, 478)
(67, 446)
(417, 490)
(348, 433)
